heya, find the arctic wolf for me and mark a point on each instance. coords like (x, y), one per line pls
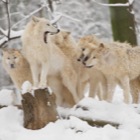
(45, 58)
(16, 66)
(92, 40)
(116, 62)
(19, 70)
(68, 46)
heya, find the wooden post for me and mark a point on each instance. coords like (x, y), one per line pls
(39, 109)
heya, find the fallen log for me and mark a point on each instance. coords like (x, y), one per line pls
(89, 119)
(99, 123)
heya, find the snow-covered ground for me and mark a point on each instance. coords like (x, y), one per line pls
(11, 121)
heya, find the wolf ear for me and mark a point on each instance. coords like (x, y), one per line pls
(101, 46)
(35, 19)
(105, 51)
(68, 33)
(90, 38)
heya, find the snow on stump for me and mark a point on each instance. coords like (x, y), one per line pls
(39, 109)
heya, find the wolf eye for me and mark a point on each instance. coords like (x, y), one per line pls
(8, 58)
(48, 24)
(83, 49)
(15, 57)
(94, 57)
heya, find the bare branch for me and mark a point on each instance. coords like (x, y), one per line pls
(56, 19)
(12, 14)
(28, 16)
(131, 2)
(50, 4)
(59, 15)
(4, 40)
(8, 18)
(10, 34)
(3, 32)
(13, 35)
(114, 5)
(3, 1)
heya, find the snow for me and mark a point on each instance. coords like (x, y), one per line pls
(131, 2)
(4, 1)
(116, 4)
(128, 116)
(58, 15)
(26, 87)
(28, 16)
(13, 34)
(4, 39)
(6, 97)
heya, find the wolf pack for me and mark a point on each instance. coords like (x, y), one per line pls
(54, 58)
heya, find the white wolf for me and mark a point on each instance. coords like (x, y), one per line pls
(44, 57)
(16, 66)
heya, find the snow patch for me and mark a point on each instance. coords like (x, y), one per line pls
(11, 123)
(7, 97)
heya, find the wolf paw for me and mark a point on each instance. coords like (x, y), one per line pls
(43, 85)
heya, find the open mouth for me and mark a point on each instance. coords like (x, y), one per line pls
(89, 66)
(51, 33)
(45, 36)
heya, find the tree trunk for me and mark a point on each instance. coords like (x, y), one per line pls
(39, 109)
(123, 23)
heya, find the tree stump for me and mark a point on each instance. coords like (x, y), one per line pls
(39, 109)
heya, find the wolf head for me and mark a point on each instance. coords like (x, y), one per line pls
(43, 26)
(93, 55)
(11, 58)
(61, 38)
(85, 47)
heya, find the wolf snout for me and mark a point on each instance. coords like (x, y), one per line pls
(12, 65)
(58, 30)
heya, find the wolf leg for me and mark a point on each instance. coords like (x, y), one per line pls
(43, 76)
(126, 88)
(111, 84)
(35, 74)
(69, 79)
